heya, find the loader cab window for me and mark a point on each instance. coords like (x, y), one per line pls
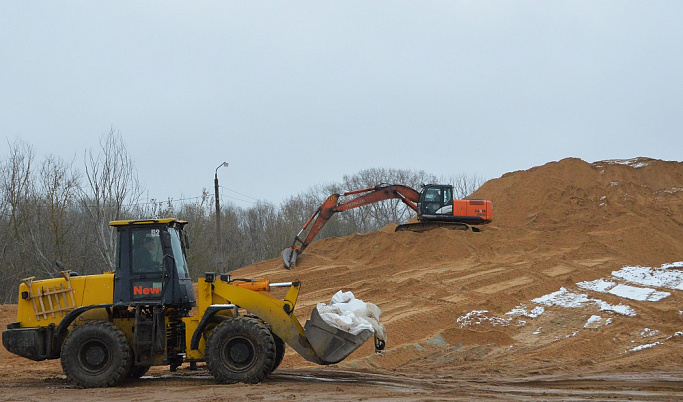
(178, 255)
(147, 251)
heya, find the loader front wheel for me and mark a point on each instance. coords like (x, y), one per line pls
(96, 354)
(240, 350)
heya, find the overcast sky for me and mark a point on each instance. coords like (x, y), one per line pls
(299, 93)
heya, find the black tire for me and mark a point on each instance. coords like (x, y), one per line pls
(279, 352)
(137, 371)
(240, 350)
(96, 354)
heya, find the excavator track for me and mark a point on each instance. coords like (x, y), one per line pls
(420, 227)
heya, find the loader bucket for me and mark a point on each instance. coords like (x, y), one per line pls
(289, 256)
(332, 345)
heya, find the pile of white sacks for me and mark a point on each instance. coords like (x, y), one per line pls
(352, 315)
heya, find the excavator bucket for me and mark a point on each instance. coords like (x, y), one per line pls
(289, 256)
(330, 344)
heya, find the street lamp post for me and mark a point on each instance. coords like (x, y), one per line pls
(219, 243)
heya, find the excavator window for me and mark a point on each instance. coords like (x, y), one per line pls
(446, 207)
(433, 200)
(437, 200)
(448, 196)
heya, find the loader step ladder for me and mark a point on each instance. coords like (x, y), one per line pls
(149, 335)
(51, 299)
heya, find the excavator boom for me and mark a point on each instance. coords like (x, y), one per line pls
(333, 205)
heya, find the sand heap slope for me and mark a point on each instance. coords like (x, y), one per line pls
(633, 206)
(541, 289)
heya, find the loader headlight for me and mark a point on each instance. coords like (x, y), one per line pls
(209, 277)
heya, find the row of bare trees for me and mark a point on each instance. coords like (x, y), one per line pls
(51, 210)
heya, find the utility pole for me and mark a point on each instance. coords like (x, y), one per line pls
(219, 243)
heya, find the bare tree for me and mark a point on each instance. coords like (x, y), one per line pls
(377, 215)
(112, 181)
(465, 184)
(45, 222)
(17, 189)
(60, 184)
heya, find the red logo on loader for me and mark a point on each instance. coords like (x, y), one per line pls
(139, 290)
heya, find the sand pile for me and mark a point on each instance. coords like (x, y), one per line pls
(449, 298)
(631, 206)
(542, 289)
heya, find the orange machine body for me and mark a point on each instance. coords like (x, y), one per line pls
(467, 209)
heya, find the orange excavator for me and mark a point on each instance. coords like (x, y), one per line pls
(434, 205)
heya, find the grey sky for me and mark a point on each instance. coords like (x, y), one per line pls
(294, 94)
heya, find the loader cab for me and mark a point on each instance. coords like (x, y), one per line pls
(150, 264)
(436, 200)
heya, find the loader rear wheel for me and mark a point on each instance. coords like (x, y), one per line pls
(240, 350)
(96, 354)
(279, 352)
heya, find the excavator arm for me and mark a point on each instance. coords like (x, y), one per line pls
(333, 204)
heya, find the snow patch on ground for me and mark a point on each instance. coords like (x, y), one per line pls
(563, 298)
(522, 311)
(647, 279)
(647, 332)
(642, 347)
(625, 291)
(666, 276)
(478, 317)
(595, 321)
(598, 285)
(622, 309)
(636, 293)
(567, 299)
(633, 162)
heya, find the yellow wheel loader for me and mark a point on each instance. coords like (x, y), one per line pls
(116, 325)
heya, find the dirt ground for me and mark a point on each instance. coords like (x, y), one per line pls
(462, 309)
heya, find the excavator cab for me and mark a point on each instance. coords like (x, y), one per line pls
(436, 200)
(436, 204)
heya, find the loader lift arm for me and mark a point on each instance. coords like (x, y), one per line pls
(333, 205)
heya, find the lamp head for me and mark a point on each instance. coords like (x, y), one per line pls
(224, 164)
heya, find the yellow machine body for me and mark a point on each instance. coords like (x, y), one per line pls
(45, 302)
(91, 318)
